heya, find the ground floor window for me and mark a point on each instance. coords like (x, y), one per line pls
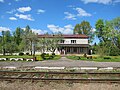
(74, 50)
(68, 49)
(81, 49)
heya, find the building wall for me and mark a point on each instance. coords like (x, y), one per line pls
(78, 41)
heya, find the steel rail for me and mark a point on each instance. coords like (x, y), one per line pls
(19, 72)
(72, 80)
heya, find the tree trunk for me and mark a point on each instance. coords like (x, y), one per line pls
(31, 47)
(3, 51)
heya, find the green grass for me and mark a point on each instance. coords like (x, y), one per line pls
(56, 57)
(14, 56)
(38, 57)
(96, 58)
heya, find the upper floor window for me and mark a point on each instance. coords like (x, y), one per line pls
(62, 41)
(73, 41)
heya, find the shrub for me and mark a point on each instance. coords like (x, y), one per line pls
(27, 54)
(114, 51)
(78, 57)
(47, 56)
(43, 55)
(107, 57)
(90, 57)
(94, 57)
(21, 54)
(51, 56)
(53, 53)
(85, 55)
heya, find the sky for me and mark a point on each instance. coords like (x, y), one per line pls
(55, 15)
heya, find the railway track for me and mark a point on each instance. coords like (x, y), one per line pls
(59, 76)
(26, 72)
(60, 80)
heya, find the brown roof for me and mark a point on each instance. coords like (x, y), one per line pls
(74, 45)
(64, 36)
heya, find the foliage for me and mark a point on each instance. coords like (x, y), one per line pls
(21, 54)
(17, 35)
(49, 44)
(27, 54)
(97, 58)
(29, 39)
(74, 57)
(107, 57)
(114, 51)
(84, 28)
(47, 56)
(108, 33)
(21, 40)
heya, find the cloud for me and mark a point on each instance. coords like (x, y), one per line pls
(9, 3)
(39, 31)
(11, 12)
(26, 17)
(40, 11)
(17, 0)
(2, 1)
(4, 29)
(93, 30)
(69, 16)
(98, 1)
(68, 29)
(71, 6)
(12, 18)
(82, 12)
(24, 9)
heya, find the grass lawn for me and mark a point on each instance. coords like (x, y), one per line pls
(97, 58)
(38, 57)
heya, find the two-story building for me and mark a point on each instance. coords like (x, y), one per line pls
(71, 44)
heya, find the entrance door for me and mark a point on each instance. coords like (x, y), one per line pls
(75, 50)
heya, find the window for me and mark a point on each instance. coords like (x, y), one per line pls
(81, 49)
(62, 41)
(73, 41)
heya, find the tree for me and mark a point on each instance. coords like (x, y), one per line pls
(100, 29)
(0, 44)
(108, 33)
(84, 28)
(29, 39)
(115, 34)
(17, 35)
(77, 29)
(49, 44)
(3, 42)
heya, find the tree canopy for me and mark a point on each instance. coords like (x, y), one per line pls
(84, 28)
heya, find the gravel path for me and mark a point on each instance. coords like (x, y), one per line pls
(63, 62)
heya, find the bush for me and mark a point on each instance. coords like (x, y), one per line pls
(114, 51)
(53, 53)
(94, 57)
(47, 56)
(27, 54)
(85, 55)
(21, 54)
(43, 55)
(90, 57)
(107, 57)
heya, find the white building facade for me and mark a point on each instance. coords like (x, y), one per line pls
(72, 44)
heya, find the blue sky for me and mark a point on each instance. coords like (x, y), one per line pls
(55, 15)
